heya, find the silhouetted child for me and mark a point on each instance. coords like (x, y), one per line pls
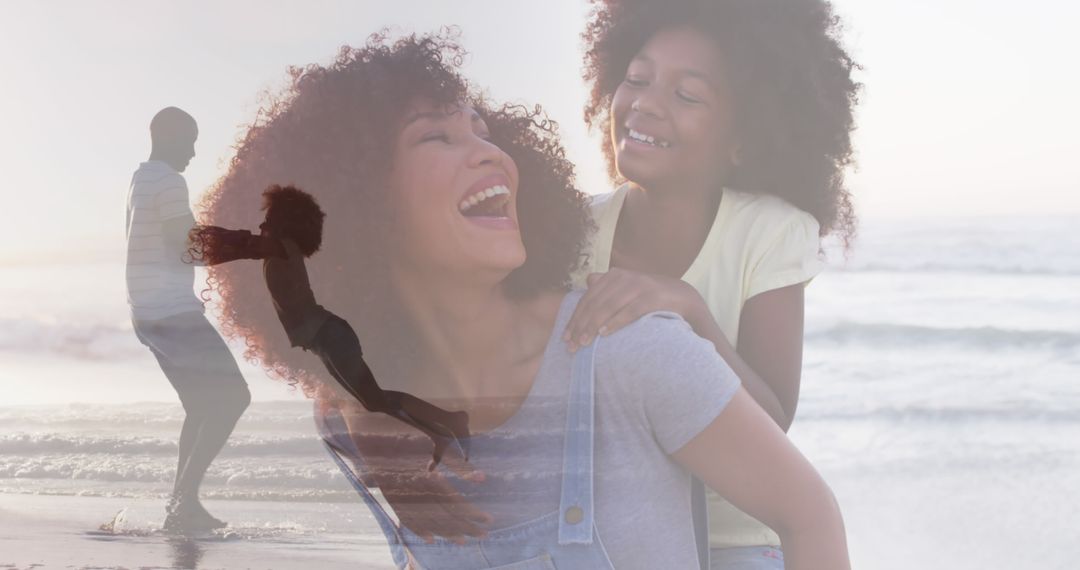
(292, 230)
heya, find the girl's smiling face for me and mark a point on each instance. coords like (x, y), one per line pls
(672, 116)
(454, 195)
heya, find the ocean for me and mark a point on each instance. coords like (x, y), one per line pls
(940, 400)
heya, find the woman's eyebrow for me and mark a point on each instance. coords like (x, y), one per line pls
(424, 115)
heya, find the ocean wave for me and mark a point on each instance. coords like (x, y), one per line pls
(71, 338)
(147, 416)
(889, 335)
(1046, 246)
(238, 445)
(957, 267)
(312, 472)
(1034, 414)
(244, 445)
(334, 494)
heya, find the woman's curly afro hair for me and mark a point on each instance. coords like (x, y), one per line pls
(791, 78)
(330, 133)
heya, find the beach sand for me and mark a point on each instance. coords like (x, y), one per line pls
(42, 531)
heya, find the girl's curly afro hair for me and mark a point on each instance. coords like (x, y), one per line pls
(791, 78)
(330, 133)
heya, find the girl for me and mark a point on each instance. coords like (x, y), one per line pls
(460, 300)
(729, 122)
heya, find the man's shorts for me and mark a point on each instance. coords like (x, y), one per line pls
(196, 361)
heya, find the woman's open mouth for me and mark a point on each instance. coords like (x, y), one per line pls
(489, 208)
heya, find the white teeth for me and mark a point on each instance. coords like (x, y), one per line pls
(648, 139)
(482, 195)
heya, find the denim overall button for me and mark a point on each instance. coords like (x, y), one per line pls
(574, 515)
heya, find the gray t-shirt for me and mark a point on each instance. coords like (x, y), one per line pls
(657, 386)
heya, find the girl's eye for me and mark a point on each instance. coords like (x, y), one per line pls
(635, 82)
(687, 97)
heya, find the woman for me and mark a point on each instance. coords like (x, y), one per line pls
(729, 124)
(460, 301)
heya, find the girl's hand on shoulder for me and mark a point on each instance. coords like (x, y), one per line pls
(620, 297)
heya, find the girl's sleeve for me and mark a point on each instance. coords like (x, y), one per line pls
(790, 256)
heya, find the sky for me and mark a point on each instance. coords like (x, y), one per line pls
(969, 107)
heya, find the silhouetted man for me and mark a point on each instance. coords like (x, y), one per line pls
(168, 318)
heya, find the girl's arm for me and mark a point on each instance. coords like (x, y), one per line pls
(214, 245)
(769, 356)
(745, 457)
(768, 359)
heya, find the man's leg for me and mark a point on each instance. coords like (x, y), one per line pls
(201, 368)
(212, 426)
(147, 332)
(188, 434)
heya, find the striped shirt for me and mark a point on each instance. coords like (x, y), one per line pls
(159, 283)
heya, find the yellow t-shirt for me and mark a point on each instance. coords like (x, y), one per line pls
(757, 243)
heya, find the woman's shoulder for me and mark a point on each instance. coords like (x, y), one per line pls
(658, 366)
(650, 343)
(655, 330)
(653, 327)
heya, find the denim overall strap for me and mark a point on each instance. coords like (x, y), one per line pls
(699, 511)
(332, 442)
(576, 505)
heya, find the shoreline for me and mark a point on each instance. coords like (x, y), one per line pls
(56, 531)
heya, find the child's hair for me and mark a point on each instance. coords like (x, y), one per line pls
(293, 213)
(791, 79)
